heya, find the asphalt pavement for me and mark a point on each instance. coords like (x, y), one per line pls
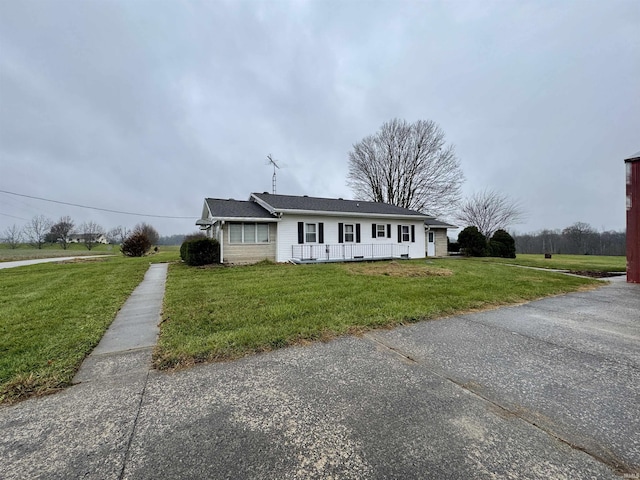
(548, 389)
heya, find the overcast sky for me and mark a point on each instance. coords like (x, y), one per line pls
(149, 106)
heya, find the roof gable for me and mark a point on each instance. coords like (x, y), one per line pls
(292, 203)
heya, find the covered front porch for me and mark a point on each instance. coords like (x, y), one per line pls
(345, 252)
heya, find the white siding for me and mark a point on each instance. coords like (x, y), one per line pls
(288, 233)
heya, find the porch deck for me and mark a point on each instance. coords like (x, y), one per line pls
(348, 252)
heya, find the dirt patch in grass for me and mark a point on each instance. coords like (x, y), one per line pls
(592, 274)
(83, 260)
(30, 385)
(396, 269)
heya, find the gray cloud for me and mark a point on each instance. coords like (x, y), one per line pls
(151, 106)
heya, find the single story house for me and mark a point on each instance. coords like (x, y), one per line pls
(436, 237)
(83, 237)
(303, 229)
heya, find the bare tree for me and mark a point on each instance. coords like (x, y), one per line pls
(91, 233)
(408, 165)
(117, 234)
(37, 229)
(489, 211)
(149, 231)
(581, 239)
(61, 231)
(13, 236)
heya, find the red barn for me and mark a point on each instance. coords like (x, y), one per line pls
(632, 165)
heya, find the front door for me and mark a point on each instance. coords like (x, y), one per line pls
(431, 244)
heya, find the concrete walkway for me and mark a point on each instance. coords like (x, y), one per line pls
(126, 346)
(547, 389)
(35, 261)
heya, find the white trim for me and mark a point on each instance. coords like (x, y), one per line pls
(246, 219)
(352, 214)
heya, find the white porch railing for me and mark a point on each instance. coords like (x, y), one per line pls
(349, 251)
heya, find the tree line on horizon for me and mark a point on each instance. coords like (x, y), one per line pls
(577, 239)
(41, 231)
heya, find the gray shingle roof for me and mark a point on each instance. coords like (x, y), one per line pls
(434, 222)
(290, 202)
(221, 208)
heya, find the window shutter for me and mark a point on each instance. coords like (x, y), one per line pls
(300, 232)
(374, 231)
(399, 234)
(320, 232)
(341, 233)
(413, 234)
(388, 230)
(357, 233)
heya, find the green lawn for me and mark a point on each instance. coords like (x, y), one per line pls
(592, 263)
(52, 315)
(221, 313)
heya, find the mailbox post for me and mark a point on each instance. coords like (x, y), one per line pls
(632, 168)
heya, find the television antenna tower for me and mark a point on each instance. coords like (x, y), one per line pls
(271, 161)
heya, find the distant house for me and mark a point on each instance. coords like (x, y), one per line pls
(304, 229)
(436, 237)
(82, 237)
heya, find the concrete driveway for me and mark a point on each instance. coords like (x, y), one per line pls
(549, 389)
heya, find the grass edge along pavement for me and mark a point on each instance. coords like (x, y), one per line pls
(53, 315)
(221, 313)
(571, 263)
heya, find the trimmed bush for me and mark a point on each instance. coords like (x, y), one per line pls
(502, 245)
(200, 251)
(472, 242)
(136, 245)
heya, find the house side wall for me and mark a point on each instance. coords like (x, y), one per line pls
(244, 253)
(288, 233)
(441, 242)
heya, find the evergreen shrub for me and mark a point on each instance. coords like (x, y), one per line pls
(472, 242)
(502, 245)
(200, 251)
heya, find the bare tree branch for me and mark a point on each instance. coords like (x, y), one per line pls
(408, 165)
(91, 233)
(36, 230)
(62, 230)
(489, 211)
(13, 236)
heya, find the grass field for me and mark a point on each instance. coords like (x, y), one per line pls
(26, 252)
(221, 313)
(576, 263)
(52, 315)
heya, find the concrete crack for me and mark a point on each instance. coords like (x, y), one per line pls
(610, 459)
(127, 452)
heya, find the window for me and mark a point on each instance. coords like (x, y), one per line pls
(263, 233)
(380, 230)
(406, 237)
(430, 237)
(235, 233)
(248, 233)
(310, 233)
(349, 233)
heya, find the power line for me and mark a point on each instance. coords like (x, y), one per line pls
(92, 208)
(13, 216)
